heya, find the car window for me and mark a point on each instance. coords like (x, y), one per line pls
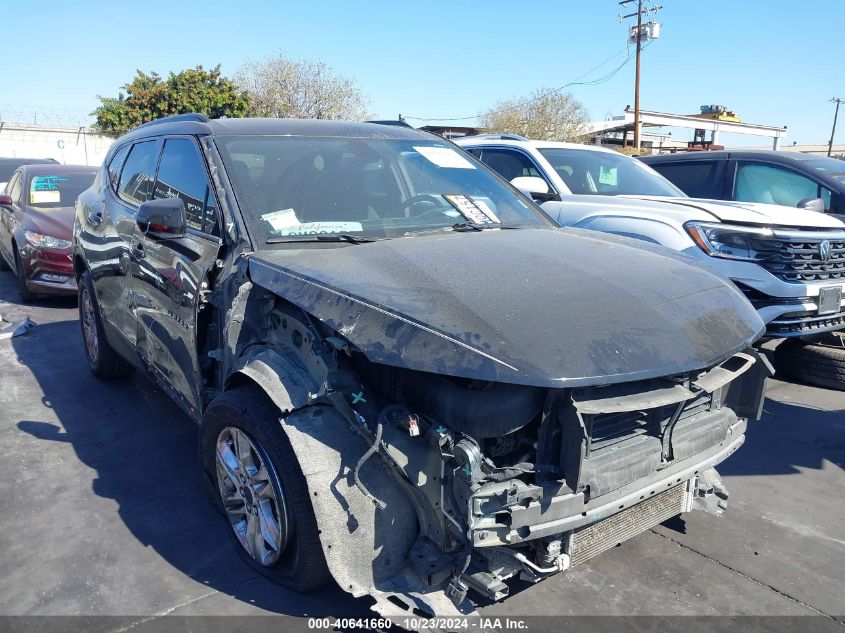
(591, 172)
(138, 173)
(59, 189)
(772, 185)
(697, 179)
(14, 188)
(510, 164)
(115, 165)
(181, 174)
(289, 186)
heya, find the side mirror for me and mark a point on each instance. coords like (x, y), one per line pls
(5, 201)
(812, 204)
(162, 219)
(534, 187)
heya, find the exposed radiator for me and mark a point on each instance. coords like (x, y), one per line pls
(595, 539)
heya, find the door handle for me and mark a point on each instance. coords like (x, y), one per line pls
(138, 251)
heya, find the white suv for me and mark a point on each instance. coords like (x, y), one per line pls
(789, 262)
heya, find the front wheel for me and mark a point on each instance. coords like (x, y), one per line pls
(820, 363)
(23, 286)
(259, 487)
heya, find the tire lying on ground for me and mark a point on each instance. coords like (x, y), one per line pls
(821, 363)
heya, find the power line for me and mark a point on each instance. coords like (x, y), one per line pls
(574, 82)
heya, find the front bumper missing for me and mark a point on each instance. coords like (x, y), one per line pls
(568, 512)
(703, 492)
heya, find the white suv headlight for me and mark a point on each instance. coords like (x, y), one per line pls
(733, 241)
(45, 241)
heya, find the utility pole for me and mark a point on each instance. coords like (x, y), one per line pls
(652, 33)
(837, 100)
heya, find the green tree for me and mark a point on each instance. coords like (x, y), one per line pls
(149, 96)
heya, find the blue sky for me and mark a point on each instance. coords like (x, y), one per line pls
(774, 62)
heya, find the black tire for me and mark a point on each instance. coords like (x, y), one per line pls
(103, 361)
(4, 265)
(301, 566)
(27, 295)
(822, 365)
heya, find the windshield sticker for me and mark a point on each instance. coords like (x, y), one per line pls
(320, 228)
(608, 176)
(474, 211)
(445, 157)
(45, 197)
(280, 220)
(47, 183)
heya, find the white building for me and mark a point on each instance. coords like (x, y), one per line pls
(68, 145)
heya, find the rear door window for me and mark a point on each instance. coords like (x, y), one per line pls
(138, 174)
(756, 182)
(697, 179)
(181, 174)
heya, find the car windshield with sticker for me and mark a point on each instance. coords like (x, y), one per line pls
(53, 191)
(364, 187)
(586, 171)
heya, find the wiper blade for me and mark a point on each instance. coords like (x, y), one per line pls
(476, 226)
(325, 237)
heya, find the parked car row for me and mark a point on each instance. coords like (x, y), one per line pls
(406, 375)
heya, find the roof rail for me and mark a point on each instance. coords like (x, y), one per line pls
(390, 122)
(498, 137)
(190, 116)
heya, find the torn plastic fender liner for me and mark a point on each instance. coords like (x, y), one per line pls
(365, 548)
(282, 376)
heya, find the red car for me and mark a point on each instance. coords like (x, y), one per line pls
(36, 221)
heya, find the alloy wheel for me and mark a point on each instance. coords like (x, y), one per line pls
(252, 496)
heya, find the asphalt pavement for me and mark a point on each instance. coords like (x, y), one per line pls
(103, 510)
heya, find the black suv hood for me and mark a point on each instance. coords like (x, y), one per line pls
(554, 308)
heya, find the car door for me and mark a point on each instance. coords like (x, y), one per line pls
(755, 181)
(109, 247)
(8, 219)
(171, 275)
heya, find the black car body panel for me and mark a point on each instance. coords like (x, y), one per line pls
(613, 312)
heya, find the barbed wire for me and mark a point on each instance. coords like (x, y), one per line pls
(23, 114)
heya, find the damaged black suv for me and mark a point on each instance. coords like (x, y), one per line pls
(405, 376)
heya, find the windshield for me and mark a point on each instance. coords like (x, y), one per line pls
(51, 191)
(833, 167)
(607, 174)
(292, 187)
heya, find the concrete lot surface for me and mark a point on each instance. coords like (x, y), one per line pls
(103, 512)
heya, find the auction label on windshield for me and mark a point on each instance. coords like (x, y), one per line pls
(475, 211)
(321, 228)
